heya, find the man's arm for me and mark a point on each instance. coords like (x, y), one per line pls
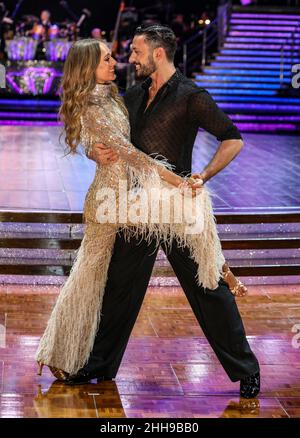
(204, 112)
(226, 152)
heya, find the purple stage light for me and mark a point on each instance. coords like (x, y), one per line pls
(33, 75)
(9, 78)
(257, 58)
(240, 39)
(57, 50)
(256, 98)
(268, 16)
(34, 80)
(266, 22)
(29, 123)
(265, 127)
(241, 79)
(239, 85)
(11, 114)
(26, 103)
(255, 52)
(232, 92)
(261, 34)
(247, 72)
(21, 49)
(242, 27)
(258, 117)
(261, 107)
(246, 2)
(250, 45)
(249, 65)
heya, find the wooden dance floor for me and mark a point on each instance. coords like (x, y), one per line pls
(168, 370)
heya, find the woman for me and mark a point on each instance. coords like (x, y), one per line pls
(92, 111)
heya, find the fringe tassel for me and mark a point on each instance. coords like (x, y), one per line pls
(205, 247)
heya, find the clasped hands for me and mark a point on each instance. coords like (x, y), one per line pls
(105, 155)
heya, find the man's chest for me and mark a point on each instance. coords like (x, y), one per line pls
(164, 114)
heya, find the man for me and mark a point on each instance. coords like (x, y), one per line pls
(166, 111)
(45, 18)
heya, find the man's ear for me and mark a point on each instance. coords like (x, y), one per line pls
(159, 53)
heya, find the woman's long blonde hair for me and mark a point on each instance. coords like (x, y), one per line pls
(79, 79)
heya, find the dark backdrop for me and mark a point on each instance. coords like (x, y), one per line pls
(104, 12)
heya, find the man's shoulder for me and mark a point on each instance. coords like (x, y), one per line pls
(189, 87)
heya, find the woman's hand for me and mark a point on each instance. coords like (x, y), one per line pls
(194, 182)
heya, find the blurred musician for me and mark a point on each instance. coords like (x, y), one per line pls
(40, 30)
(96, 33)
(45, 18)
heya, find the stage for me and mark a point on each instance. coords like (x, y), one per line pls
(169, 369)
(35, 175)
(244, 57)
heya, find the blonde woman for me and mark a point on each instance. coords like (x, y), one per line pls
(92, 111)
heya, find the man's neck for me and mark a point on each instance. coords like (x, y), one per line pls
(161, 76)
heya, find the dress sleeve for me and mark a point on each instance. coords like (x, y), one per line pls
(205, 113)
(97, 128)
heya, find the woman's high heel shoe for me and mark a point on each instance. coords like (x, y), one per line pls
(40, 371)
(235, 285)
(57, 372)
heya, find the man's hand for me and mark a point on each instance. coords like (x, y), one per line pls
(103, 154)
(196, 181)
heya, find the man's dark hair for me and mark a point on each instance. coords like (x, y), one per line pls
(158, 35)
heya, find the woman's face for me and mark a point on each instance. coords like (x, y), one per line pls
(105, 71)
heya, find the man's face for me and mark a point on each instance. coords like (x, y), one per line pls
(142, 57)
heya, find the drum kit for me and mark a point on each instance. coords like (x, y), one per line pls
(54, 40)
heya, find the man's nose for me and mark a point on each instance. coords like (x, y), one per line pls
(131, 59)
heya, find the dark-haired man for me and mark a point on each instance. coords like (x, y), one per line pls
(166, 111)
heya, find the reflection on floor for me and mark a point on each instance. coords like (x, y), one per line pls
(168, 370)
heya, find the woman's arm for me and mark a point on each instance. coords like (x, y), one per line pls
(97, 128)
(170, 177)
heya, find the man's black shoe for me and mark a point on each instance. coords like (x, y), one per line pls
(250, 386)
(82, 377)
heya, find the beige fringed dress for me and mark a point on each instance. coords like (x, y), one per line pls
(69, 336)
